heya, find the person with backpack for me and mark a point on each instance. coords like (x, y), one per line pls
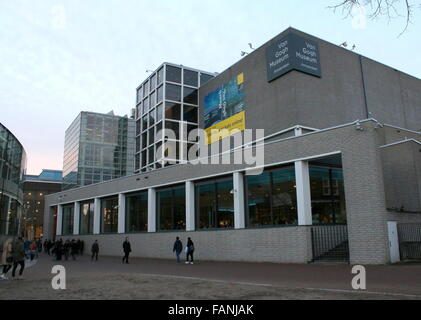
(189, 251)
(177, 248)
(18, 257)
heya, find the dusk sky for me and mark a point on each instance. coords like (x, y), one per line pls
(62, 57)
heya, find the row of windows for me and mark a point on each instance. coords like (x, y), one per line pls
(270, 201)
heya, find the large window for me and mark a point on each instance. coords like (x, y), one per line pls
(327, 195)
(137, 212)
(271, 198)
(67, 218)
(109, 215)
(215, 204)
(87, 217)
(171, 208)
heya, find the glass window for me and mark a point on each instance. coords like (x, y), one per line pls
(204, 78)
(137, 212)
(87, 217)
(190, 95)
(159, 94)
(152, 100)
(109, 215)
(327, 195)
(67, 216)
(145, 88)
(151, 135)
(171, 208)
(271, 198)
(191, 78)
(144, 122)
(175, 127)
(139, 94)
(173, 74)
(144, 158)
(215, 204)
(159, 113)
(153, 82)
(151, 155)
(160, 76)
(152, 118)
(172, 111)
(173, 92)
(190, 114)
(146, 104)
(144, 140)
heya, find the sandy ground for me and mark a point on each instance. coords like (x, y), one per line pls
(157, 279)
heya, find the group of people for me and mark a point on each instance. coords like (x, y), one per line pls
(66, 248)
(15, 252)
(13, 256)
(189, 249)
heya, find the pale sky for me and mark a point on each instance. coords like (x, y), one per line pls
(60, 57)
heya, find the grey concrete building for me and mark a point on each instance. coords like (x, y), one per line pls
(340, 179)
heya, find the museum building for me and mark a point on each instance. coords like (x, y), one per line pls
(341, 178)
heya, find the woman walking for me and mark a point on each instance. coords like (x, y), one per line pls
(189, 251)
(6, 258)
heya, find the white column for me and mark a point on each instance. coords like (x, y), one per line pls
(121, 213)
(76, 218)
(151, 210)
(239, 206)
(97, 216)
(190, 208)
(59, 220)
(302, 178)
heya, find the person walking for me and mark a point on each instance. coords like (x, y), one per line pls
(73, 249)
(189, 251)
(7, 258)
(127, 249)
(178, 247)
(18, 257)
(82, 247)
(95, 250)
(59, 249)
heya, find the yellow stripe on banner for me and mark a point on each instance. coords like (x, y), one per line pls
(227, 127)
(240, 78)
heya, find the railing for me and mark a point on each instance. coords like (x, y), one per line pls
(409, 235)
(330, 243)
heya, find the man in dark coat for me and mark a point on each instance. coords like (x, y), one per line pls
(178, 247)
(127, 249)
(95, 250)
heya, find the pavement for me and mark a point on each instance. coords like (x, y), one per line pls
(396, 281)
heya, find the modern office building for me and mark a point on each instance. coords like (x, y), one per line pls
(35, 188)
(98, 147)
(168, 98)
(12, 171)
(340, 180)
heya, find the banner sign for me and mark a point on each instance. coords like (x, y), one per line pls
(292, 52)
(224, 107)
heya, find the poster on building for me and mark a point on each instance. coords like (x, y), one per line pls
(292, 52)
(224, 107)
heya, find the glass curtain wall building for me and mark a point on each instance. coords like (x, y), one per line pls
(168, 99)
(98, 147)
(12, 171)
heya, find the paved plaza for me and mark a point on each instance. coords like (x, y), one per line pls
(108, 278)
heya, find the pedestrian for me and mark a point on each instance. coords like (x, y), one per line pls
(7, 258)
(127, 249)
(58, 249)
(18, 257)
(66, 249)
(79, 247)
(189, 251)
(73, 249)
(33, 250)
(178, 247)
(95, 250)
(82, 247)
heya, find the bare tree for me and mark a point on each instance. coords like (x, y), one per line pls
(380, 8)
